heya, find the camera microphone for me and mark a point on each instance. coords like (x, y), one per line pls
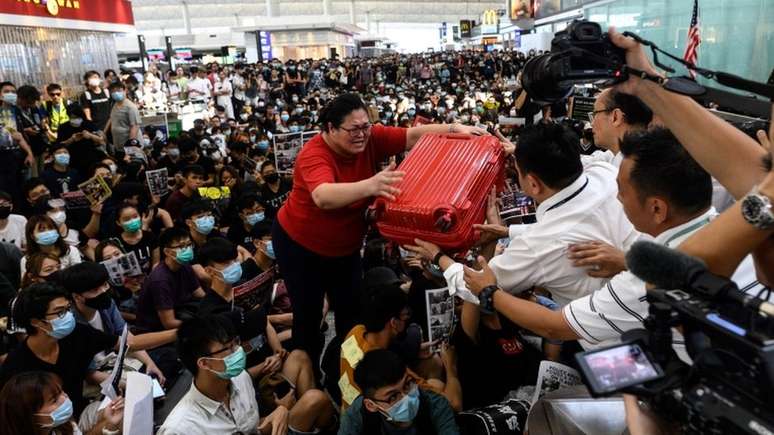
(670, 269)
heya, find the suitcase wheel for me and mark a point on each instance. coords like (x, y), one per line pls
(445, 220)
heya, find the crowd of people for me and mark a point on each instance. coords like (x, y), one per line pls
(230, 294)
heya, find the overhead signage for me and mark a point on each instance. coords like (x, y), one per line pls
(465, 26)
(100, 15)
(490, 22)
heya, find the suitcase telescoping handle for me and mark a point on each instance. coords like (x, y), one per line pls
(458, 136)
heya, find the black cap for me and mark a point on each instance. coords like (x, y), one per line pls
(380, 276)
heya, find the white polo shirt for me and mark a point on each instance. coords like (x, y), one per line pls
(200, 85)
(197, 414)
(584, 211)
(620, 305)
(603, 156)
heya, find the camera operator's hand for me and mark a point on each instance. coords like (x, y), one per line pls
(635, 58)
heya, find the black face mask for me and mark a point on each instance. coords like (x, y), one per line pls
(5, 212)
(272, 178)
(101, 302)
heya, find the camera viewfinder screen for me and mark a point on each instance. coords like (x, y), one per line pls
(620, 366)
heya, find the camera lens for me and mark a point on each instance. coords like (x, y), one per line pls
(540, 81)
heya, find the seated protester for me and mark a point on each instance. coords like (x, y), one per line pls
(279, 306)
(84, 140)
(221, 400)
(10, 257)
(40, 266)
(154, 219)
(11, 224)
(134, 239)
(193, 179)
(668, 211)
(248, 212)
(171, 290)
(190, 155)
(88, 285)
(170, 157)
(229, 176)
(36, 403)
(59, 176)
(275, 190)
(392, 402)
(385, 314)
(220, 259)
(489, 346)
(126, 290)
(56, 343)
(36, 193)
(577, 205)
(43, 236)
(56, 209)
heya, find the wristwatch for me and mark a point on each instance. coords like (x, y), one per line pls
(486, 299)
(437, 258)
(757, 210)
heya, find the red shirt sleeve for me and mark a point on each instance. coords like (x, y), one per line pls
(388, 141)
(316, 168)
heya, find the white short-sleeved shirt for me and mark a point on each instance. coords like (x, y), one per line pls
(73, 257)
(586, 210)
(620, 305)
(603, 156)
(13, 232)
(197, 414)
(200, 85)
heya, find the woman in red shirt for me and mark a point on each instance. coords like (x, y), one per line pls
(320, 229)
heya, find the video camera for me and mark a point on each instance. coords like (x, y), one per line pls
(729, 335)
(582, 53)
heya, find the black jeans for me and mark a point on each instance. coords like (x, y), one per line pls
(309, 277)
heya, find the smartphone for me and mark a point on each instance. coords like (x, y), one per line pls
(614, 368)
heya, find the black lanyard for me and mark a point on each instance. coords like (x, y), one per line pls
(566, 200)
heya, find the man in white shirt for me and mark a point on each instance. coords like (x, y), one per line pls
(222, 399)
(11, 225)
(615, 114)
(669, 211)
(199, 88)
(575, 205)
(223, 91)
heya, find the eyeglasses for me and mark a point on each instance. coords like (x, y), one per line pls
(408, 385)
(356, 131)
(61, 313)
(232, 346)
(594, 113)
(183, 246)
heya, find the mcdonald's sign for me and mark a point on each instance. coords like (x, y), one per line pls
(465, 26)
(490, 22)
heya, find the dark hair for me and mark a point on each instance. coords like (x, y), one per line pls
(7, 83)
(195, 336)
(58, 146)
(338, 109)
(382, 303)
(193, 169)
(246, 201)
(195, 207)
(116, 85)
(550, 152)
(267, 163)
(53, 87)
(636, 113)
(29, 232)
(28, 93)
(75, 110)
(83, 277)
(217, 250)
(187, 145)
(99, 251)
(378, 368)
(120, 209)
(34, 265)
(261, 230)
(172, 235)
(23, 396)
(30, 185)
(6, 196)
(32, 303)
(89, 74)
(662, 167)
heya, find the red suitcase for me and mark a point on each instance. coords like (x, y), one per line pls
(444, 192)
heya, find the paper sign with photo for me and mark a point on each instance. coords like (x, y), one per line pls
(286, 149)
(110, 386)
(553, 376)
(96, 189)
(440, 315)
(158, 181)
(215, 193)
(122, 267)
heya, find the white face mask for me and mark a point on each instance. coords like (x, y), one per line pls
(93, 82)
(59, 217)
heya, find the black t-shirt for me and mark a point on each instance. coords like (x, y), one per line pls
(499, 363)
(83, 153)
(75, 354)
(100, 106)
(143, 250)
(58, 182)
(272, 201)
(204, 162)
(239, 235)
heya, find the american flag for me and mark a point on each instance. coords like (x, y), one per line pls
(691, 54)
